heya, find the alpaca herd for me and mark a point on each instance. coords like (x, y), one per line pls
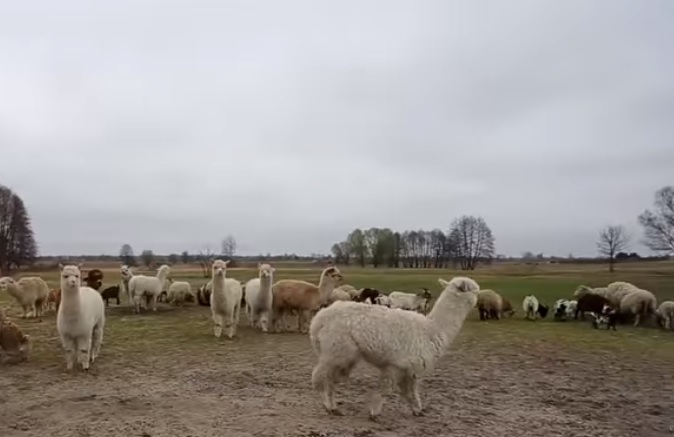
(398, 333)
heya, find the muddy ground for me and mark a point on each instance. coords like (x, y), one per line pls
(259, 385)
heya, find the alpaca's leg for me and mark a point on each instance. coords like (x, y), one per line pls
(229, 324)
(386, 378)
(70, 348)
(154, 302)
(84, 351)
(409, 385)
(136, 302)
(637, 319)
(302, 324)
(217, 327)
(264, 320)
(321, 378)
(249, 315)
(97, 341)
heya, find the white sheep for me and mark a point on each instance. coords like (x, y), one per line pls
(530, 307)
(259, 297)
(30, 293)
(616, 291)
(571, 307)
(665, 313)
(489, 304)
(350, 289)
(338, 294)
(410, 301)
(80, 319)
(149, 287)
(403, 345)
(383, 299)
(126, 274)
(180, 292)
(640, 303)
(225, 300)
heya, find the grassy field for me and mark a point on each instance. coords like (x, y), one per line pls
(176, 342)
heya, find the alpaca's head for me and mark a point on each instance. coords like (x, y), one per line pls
(163, 270)
(462, 288)
(332, 274)
(219, 267)
(266, 271)
(70, 276)
(126, 271)
(6, 283)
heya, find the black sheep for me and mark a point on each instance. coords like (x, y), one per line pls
(111, 292)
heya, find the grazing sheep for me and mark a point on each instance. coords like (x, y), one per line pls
(640, 303)
(418, 302)
(149, 287)
(489, 304)
(303, 297)
(608, 316)
(54, 297)
(542, 310)
(109, 293)
(530, 306)
(15, 347)
(94, 279)
(507, 308)
(353, 292)
(591, 303)
(561, 309)
(259, 297)
(225, 300)
(616, 291)
(571, 307)
(665, 313)
(367, 293)
(204, 294)
(403, 345)
(127, 274)
(338, 294)
(180, 292)
(383, 300)
(30, 292)
(80, 319)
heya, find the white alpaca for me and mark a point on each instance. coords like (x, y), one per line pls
(403, 345)
(149, 287)
(225, 300)
(29, 292)
(530, 307)
(126, 274)
(80, 319)
(259, 297)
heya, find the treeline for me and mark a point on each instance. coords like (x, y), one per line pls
(468, 242)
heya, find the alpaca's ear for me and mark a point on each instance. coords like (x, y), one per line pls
(443, 282)
(61, 266)
(226, 263)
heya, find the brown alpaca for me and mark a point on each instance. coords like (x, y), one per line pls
(14, 345)
(54, 297)
(303, 297)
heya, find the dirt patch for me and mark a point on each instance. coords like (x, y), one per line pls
(259, 385)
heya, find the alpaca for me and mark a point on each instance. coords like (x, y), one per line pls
(127, 274)
(54, 297)
(80, 319)
(94, 279)
(403, 345)
(225, 300)
(149, 287)
(259, 297)
(303, 297)
(15, 347)
(30, 292)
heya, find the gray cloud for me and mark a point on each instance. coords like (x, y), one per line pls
(289, 124)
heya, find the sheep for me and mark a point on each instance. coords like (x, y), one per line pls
(303, 297)
(403, 345)
(590, 302)
(542, 310)
(367, 293)
(665, 313)
(616, 291)
(507, 308)
(225, 300)
(180, 292)
(571, 307)
(418, 302)
(383, 300)
(110, 293)
(259, 297)
(489, 304)
(530, 306)
(640, 303)
(608, 316)
(54, 297)
(561, 309)
(94, 279)
(338, 294)
(148, 286)
(80, 319)
(127, 274)
(350, 289)
(15, 346)
(204, 294)
(30, 292)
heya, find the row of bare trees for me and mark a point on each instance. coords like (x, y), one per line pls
(468, 242)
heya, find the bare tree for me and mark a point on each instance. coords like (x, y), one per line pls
(228, 247)
(147, 257)
(659, 225)
(472, 241)
(17, 241)
(205, 258)
(126, 255)
(173, 258)
(612, 239)
(185, 257)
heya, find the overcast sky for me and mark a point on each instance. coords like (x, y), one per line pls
(170, 124)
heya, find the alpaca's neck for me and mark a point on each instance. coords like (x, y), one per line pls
(218, 286)
(70, 299)
(14, 290)
(325, 287)
(447, 317)
(265, 283)
(161, 275)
